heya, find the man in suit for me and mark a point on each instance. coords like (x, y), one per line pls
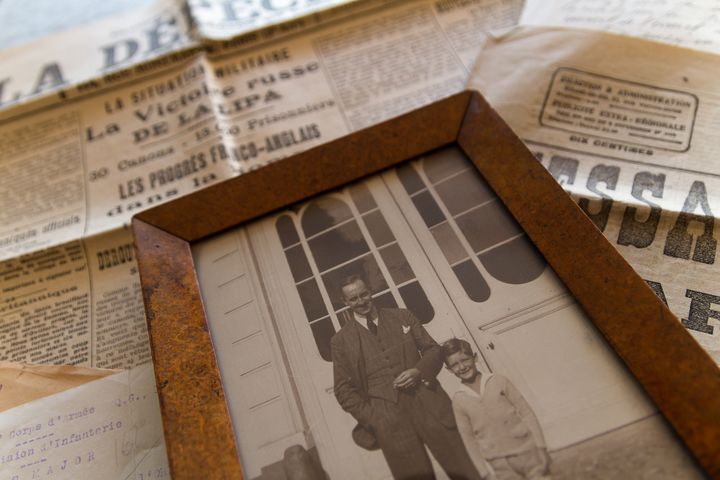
(384, 366)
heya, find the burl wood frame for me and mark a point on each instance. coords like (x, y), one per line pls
(678, 375)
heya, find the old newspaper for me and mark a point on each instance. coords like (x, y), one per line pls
(691, 23)
(627, 127)
(69, 58)
(222, 19)
(78, 165)
(82, 54)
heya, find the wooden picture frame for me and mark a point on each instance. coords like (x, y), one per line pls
(680, 378)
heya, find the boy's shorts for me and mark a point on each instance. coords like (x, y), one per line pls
(530, 465)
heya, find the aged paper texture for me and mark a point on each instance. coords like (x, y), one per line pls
(21, 383)
(690, 23)
(107, 428)
(628, 128)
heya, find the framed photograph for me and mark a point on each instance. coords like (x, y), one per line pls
(416, 300)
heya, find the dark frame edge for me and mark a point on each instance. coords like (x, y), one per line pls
(662, 355)
(164, 260)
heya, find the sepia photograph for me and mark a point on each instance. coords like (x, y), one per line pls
(406, 327)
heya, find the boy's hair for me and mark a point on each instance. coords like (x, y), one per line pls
(350, 279)
(455, 345)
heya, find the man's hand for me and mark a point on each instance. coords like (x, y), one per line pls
(408, 379)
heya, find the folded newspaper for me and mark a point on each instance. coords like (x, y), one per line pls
(627, 127)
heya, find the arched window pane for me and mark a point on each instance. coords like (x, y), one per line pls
(378, 228)
(487, 226)
(286, 231)
(449, 244)
(484, 222)
(362, 198)
(331, 245)
(365, 266)
(410, 179)
(472, 281)
(515, 262)
(338, 245)
(444, 163)
(323, 213)
(428, 209)
(299, 265)
(386, 300)
(464, 191)
(323, 330)
(417, 302)
(394, 258)
(311, 300)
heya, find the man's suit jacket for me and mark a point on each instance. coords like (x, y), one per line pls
(417, 349)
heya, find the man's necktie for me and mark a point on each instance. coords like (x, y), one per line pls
(371, 326)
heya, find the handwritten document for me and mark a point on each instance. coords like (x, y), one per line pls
(108, 428)
(691, 23)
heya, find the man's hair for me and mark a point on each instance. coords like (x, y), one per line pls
(350, 279)
(455, 345)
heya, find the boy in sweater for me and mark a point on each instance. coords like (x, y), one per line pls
(497, 425)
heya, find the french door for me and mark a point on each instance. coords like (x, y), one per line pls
(431, 237)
